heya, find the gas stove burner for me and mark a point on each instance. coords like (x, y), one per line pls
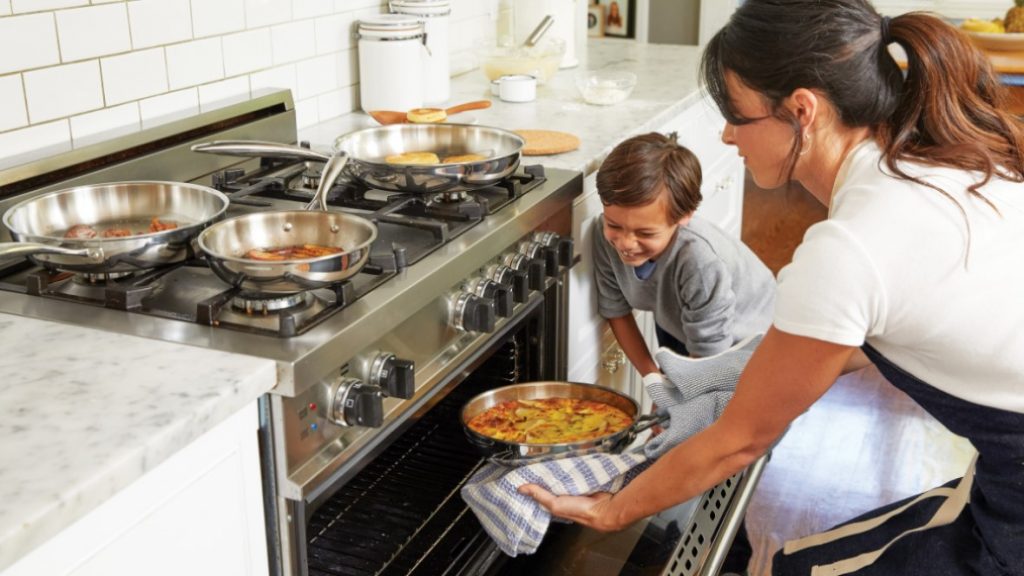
(260, 304)
(451, 196)
(94, 279)
(311, 176)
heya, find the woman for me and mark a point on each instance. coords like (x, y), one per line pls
(919, 265)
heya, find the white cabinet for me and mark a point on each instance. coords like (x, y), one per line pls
(199, 512)
(593, 353)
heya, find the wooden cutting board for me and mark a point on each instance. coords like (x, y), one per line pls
(543, 142)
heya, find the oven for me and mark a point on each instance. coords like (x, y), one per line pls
(362, 450)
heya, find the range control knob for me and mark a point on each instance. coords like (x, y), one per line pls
(560, 244)
(518, 281)
(471, 313)
(534, 267)
(493, 290)
(538, 251)
(394, 375)
(354, 403)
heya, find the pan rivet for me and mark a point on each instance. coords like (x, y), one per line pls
(334, 228)
(287, 226)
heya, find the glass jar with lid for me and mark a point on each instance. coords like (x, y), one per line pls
(434, 15)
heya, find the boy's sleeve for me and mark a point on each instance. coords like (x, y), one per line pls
(611, 303)
(708, 308)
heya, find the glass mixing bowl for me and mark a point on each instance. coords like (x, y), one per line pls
(605, 87)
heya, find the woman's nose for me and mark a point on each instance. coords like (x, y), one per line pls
(727, 134)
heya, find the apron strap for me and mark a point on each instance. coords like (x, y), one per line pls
(956, 499)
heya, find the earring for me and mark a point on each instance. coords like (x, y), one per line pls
(806, 144)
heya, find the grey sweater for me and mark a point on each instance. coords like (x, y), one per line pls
(707, 289)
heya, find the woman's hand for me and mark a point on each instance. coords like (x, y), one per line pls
(592, 511)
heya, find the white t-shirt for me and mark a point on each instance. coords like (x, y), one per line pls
(888, 266)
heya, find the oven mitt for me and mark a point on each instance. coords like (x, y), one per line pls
(516, 522)
(694, 391)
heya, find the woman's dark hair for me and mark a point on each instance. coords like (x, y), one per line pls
(947, 111)
(642, 168)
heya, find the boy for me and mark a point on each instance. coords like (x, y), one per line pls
(707, 290)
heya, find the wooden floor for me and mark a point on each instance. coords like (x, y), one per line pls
(864, 444)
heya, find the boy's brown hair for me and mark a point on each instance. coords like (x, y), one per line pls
(643, 167)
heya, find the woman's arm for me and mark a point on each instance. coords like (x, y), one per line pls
(785, 375)
(627, 333)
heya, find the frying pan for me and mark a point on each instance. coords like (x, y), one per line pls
(227, 242)
(38, 225)
(517, 454)
(368, 148)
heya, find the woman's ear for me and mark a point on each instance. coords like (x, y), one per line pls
(805, 106)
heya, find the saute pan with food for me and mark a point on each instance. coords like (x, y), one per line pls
(111, 228)
(407, 158)
(289, 251)
(538, 421)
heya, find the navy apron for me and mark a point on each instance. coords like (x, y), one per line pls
(972, 525)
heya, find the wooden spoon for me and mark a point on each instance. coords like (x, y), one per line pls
(426, 115)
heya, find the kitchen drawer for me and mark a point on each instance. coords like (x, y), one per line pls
(700, 129)
(723, 195)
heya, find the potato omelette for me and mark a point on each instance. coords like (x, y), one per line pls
(549, 421)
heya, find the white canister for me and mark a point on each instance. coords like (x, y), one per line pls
(392, 50)
(434, 15)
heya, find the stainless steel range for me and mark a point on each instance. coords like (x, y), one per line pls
(362, 451)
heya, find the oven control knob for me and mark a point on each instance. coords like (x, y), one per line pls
(357, 404)
(394, 375)
(518, 281)
(493, 290)
(560, 244)
(541, 252)
(534, 268)
(471, 313)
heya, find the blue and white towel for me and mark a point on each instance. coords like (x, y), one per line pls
(694, 395)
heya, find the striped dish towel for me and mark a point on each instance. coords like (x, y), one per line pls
(517, 523)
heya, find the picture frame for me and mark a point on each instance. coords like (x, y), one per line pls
(595, 20)
(618, 18)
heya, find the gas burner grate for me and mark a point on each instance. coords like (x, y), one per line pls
(403, 514)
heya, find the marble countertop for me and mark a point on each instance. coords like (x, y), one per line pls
(666, 86)
(76, 430)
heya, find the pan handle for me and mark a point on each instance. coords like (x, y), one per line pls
(29, 248)
(329, 174)
(258, 148)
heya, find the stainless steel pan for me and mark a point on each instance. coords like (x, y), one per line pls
(516, 454)
(226, 243)
(368, 148)
(39, 225)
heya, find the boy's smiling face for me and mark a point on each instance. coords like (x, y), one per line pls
(640, 233)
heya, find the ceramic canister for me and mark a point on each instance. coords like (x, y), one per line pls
(392, 53)
(434, 15)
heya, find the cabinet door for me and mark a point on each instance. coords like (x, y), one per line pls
(585, 325)
(700, 128)
(723, 195)
(615, 370)
(198, 512)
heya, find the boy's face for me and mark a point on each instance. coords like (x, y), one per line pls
(640, 233)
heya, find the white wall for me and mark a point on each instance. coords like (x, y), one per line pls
(949, 8)
(74, 72)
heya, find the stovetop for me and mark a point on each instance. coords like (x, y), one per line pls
(410, 227)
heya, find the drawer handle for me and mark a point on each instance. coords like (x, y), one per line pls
(614, 360)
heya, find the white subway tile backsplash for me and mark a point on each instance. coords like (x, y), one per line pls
(343, 5)
(247, 51)
(104, 124)
(193, 63)
(334, 33)
(134, 75)
(12, 103)
(167, 107)
(213, 17)
(29, 42)
(37, 141)
(5, 7)
(158, 22)
(336, 102)
(293, 41)
(93, 31)
(316, 76)
(265, 12)
(217, 94)
(23, 6)
(311, 8)
(63, 90)
(347, 64)
(307, 112)
(280, 77)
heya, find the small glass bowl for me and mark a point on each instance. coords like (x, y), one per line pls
(605, 87)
